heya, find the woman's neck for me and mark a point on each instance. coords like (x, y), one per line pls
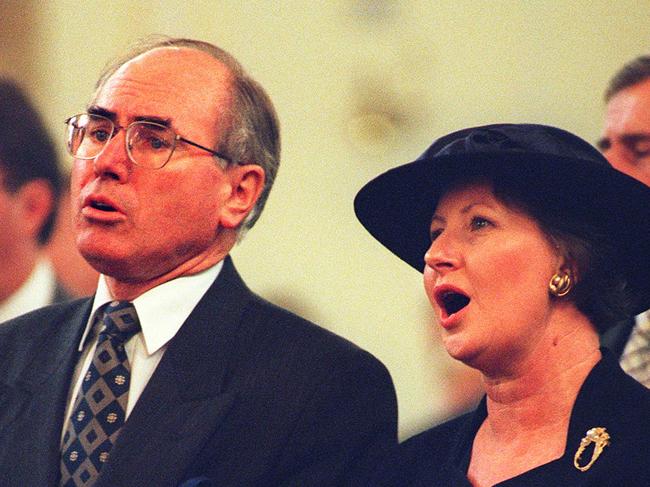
(529, 405)
(542, 388)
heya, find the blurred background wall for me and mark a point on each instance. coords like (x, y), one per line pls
(360, 86)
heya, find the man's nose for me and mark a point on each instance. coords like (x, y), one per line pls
(114, 161)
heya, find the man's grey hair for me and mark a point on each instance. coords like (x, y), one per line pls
(633, 73)
(252, 133)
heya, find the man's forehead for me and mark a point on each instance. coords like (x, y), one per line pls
(167, 81)
(174, 58)
(629, 109)
(633, 97)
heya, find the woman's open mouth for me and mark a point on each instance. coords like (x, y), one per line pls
(450, 300)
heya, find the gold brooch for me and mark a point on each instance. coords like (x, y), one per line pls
(600, 438)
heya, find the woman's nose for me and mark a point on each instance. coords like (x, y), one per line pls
(443, 254)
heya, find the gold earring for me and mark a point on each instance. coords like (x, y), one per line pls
(561, 284)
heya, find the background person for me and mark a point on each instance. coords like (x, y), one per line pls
(626, 132)
(530, 243)
(71, 269)
(626, 144)
(30, 184)
(174, 372)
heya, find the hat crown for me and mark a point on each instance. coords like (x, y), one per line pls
(514, 138)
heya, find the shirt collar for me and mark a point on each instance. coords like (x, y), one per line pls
(161, 310)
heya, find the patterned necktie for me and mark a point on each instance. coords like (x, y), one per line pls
(100, 407)
(635, 359)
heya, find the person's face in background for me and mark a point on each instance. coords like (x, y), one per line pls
(626, 135)
(22, 214)
(10, 218)
(486, 275)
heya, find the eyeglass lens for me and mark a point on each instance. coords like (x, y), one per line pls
(148, 144)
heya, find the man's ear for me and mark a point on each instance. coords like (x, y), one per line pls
(36, 199)
(247, 183)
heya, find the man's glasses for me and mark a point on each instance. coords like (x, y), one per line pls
(148, 144)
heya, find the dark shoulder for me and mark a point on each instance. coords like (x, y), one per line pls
(418, 460)
(279, 350)
(618, 390)
(277, 327)
(630, 403)
(436, 441)
(266, 326)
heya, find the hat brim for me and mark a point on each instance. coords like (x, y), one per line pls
(396, 207)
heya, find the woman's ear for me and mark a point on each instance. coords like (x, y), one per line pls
(566, 264)
(247, 183)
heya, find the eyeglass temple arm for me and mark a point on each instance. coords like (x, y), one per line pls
(214, 153)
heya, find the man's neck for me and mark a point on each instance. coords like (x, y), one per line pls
(125, 289)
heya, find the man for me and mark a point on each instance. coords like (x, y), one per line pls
(173, 162)
(626, 144)
(626, 135)
(30, 183)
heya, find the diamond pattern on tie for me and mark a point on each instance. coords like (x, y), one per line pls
(100, 407)
(636, 356)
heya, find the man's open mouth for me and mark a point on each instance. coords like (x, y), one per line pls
(101, 206)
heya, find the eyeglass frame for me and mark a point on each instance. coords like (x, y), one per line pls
(117, 128)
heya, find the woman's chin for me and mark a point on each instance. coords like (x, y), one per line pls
(456, 349)
(461, 350)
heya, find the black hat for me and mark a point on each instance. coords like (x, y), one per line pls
(558, 169)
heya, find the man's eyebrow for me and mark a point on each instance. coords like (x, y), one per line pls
(149, 118)
(634, 138)
(96, 110)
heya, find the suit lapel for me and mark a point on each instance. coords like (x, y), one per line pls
(185, 400)
(40, 396)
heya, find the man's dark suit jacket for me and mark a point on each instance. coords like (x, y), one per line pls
(247, 394)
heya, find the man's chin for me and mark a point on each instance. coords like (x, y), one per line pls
(107, 263)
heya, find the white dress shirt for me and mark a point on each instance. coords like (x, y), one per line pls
(37, 291)
(161, 311)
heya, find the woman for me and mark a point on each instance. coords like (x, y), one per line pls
(530, 245)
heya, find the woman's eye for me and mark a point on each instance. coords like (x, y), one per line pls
(435, 233)
(479, 222)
